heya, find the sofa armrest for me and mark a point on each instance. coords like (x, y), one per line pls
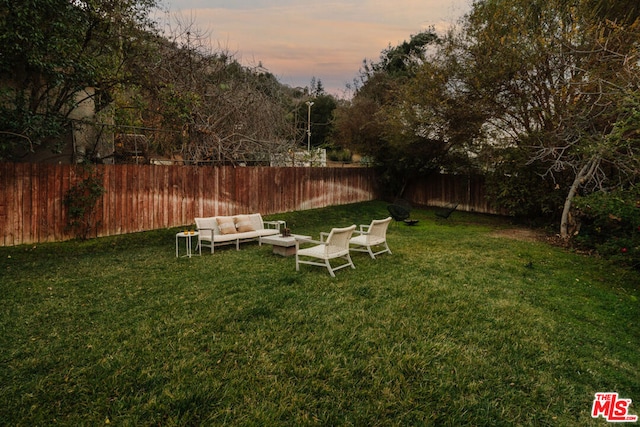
(364, 229)
(205, 232)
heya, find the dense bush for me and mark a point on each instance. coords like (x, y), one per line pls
(520, 190)
(81, 201)
(610, 224)
(339, 155)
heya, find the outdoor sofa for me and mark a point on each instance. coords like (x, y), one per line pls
(226, 230)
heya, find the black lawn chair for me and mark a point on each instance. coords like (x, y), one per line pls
(403, 204)
(401, 213)
(445, 212)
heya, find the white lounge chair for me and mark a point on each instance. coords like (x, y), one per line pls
(335, 246)
(370, 236)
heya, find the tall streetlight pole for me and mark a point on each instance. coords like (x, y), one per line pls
(309, 104)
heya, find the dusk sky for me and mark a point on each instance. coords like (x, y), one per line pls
(300, 39)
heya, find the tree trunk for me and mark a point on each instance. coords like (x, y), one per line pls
(585, 174)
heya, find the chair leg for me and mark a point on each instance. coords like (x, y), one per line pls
(350, 261)
(326, 261)
(371, 252)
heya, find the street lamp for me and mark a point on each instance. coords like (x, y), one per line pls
(309, 104)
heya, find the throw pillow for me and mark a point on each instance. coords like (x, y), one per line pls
(226, 225)
(243, 223)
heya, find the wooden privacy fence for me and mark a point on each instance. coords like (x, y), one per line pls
(141, 197)
(440, 190)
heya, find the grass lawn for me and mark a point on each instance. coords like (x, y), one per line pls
(459, 326)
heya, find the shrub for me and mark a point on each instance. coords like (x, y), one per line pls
(81, 200)
(610, 224)
(339, 155)
(520, 189)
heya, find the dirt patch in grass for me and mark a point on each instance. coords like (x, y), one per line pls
(532, 235)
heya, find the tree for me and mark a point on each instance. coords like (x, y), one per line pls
(52, 49)
(356, 126)
(373, 124)
(551, 76)
(401, 61)
(219, 111)
(204, 104)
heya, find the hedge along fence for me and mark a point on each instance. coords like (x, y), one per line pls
(142, 197)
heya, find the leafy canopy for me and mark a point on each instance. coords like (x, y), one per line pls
(54, 48)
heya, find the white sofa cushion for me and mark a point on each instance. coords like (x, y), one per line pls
(226, 237)
(267, 232)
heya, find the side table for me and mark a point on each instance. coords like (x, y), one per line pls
(279, 224)
(187, 236)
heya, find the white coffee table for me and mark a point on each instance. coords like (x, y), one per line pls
(285, 246)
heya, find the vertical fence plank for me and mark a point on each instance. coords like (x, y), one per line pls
(121, 195)
(33, 202)
(226, 191)
(3, 203)
(180, 205)
(159, 189)
(154, 199)
(52, 209)
(130, 188)
(61, 187)
(164, 191)
(7, 189)
(177, 195)
(209, 191)
(109, 212)
(199, 194)
(42, 231)
(187, 198)
(18, 219)
(143, 198)
(171, 192)
(131, 191)
(16, 208)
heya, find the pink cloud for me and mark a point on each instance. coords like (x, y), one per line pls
(323, 40)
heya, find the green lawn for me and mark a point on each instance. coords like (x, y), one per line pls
(459, 326)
